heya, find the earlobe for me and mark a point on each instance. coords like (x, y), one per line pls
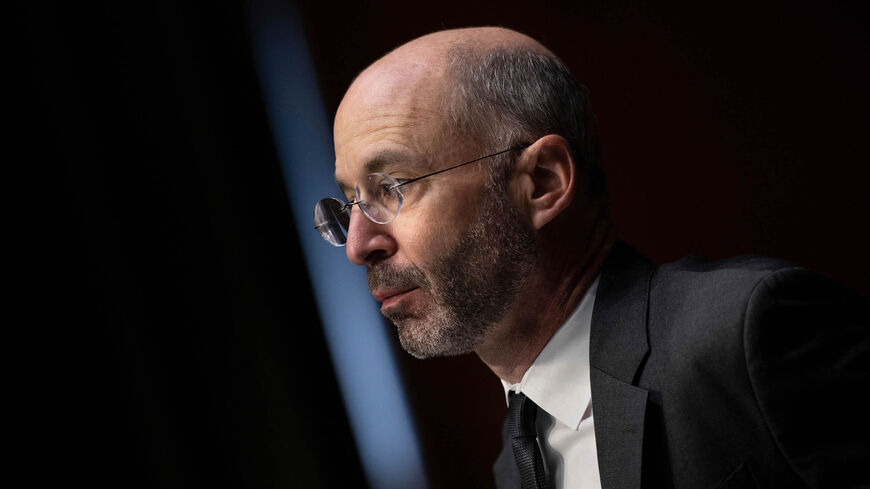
(553, 179)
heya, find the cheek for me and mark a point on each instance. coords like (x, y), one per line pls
(422, 237)
(432, 227)
(414, 245)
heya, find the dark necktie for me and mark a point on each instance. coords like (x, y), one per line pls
(521, 423)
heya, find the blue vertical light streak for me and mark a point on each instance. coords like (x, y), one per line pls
(366, 369)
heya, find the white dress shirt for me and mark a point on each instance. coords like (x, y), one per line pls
(558, 382)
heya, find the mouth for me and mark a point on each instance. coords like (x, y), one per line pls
(390, 297)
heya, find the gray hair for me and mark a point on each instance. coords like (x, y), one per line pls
(508, 96)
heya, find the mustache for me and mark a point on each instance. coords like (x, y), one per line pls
(395, 277)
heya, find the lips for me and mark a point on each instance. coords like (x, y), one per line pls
(383, 294)
(389, 296)
(392, 283)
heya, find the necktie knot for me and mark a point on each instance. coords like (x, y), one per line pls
(522, 413)
(521, 423)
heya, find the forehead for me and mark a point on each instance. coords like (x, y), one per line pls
(387, 119)
(384, 144)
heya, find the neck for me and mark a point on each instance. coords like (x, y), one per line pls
(562, 276)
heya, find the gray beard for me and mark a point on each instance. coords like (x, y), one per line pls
(469, 288)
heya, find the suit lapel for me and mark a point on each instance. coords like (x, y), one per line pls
(618, 347)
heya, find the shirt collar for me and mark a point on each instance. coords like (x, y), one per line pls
(558, 380)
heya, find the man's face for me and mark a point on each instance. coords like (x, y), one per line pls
(451, 263)
(466, 289)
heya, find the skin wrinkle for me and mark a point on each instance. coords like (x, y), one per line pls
(386, 161)
(391, 130)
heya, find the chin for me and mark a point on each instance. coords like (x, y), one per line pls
(423, 338)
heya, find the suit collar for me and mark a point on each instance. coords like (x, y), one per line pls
(618, 347)
(618, 342)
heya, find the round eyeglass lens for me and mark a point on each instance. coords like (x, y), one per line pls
(331, 219)
(379, 198)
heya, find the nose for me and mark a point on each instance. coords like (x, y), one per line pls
(368, 242)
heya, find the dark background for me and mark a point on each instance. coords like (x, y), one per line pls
(177, 344)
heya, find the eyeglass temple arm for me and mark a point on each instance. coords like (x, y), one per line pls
(520, 146)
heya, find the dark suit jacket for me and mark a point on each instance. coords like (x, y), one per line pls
(747, 372)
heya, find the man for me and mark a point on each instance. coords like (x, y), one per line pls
(476, 201)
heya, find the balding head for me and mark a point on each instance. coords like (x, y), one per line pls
(488, 86)
(466, 252)
(430, 54)
(483, 39)
(420, 71)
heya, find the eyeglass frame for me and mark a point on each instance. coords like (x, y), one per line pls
(346, 205)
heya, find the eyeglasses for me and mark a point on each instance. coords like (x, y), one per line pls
(379, 197)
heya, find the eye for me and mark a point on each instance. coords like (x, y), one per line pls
(399, 185)
(385, 189)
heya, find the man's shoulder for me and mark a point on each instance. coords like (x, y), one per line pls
(699, 266)
(698, 277)
(698, 291)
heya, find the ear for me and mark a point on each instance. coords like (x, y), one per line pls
(548, 182)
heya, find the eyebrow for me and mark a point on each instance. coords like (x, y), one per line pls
(381, 160)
